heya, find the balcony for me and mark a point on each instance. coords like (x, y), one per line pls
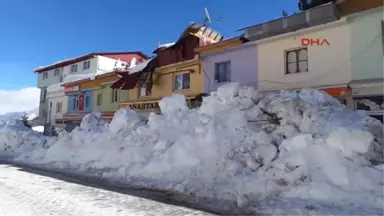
(312, 17)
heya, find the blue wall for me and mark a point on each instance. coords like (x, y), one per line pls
(88, 101)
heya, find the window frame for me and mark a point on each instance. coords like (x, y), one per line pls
(115, 95)
(99, 99)
(59, 107)
(382, 36)
(86, 65)
(56, 72)
(45, 75)
(182, 81)
(73, 68)
(228, 72)
(87, 101)
(297, 60)
(146, 89)
(75, 104)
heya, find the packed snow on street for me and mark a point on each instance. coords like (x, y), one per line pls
(23, 193)
(287, 152)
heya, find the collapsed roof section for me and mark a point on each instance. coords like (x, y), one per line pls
(194, 36)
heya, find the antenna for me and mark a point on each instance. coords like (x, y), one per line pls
(207, 19)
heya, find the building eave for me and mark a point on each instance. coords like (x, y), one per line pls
(89, 79)
(86, 57)
(341, 21)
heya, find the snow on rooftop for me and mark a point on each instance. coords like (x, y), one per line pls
(166, 45)
(74, 78)
(57, 62)
(140, 66)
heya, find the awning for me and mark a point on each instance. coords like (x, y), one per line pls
(336, 91)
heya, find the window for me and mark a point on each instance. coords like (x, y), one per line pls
(223, 72)
(115, 95)
(144, 90)
(86, 65)
(75, 104)
(44, 95)
(99, 99)
(87, 100)
(182, 81)
(45, 75)
(59, 106)
(57, 72)
(74, 68)
(382, 35)
(296, 61)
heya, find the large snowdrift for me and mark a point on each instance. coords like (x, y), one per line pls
(16, 139)
(286, 152)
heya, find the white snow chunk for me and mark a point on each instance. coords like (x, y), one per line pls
(175, 103)
(124, 119)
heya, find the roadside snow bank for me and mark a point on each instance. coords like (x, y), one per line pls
(15, 138)
(273, 152)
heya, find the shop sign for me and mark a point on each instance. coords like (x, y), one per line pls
(71, 88)
(147, 106)
(144, 106)
(315, 41)
(336, 92)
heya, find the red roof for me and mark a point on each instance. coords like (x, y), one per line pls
(123, 56)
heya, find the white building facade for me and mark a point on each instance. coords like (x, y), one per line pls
(53, 102)
(309, 49)
(291, 61)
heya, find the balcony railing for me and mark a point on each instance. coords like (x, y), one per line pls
(312, 17)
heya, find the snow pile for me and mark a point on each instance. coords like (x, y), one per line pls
(274, 152)
(16, 138)
(12, 116)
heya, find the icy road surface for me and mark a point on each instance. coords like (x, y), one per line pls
(23, 193)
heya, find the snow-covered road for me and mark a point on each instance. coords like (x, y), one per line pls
(23, 193)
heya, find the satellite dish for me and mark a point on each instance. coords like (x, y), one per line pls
(207, 16)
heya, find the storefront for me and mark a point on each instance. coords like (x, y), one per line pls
(368, 96)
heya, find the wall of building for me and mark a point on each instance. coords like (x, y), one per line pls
(366, 43)
(243, 66)
(328, 65)
(164, 81)
(65, 71)
(52, 111)
(106, 93)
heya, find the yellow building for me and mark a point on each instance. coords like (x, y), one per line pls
(175, 69)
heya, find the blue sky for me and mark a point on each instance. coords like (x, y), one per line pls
(40, 32)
